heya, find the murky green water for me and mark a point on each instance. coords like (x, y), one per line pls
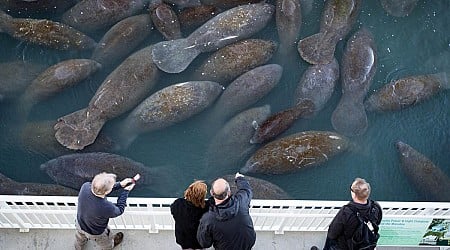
(411, 45)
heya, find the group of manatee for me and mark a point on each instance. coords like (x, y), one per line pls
(236, 74)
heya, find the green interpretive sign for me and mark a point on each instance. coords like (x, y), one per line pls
(402, 231)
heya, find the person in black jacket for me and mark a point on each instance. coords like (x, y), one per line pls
(228, 225)
(94, 210)
(187, 212)
(345, 222)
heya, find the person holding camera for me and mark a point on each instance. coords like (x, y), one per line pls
(94, 210)
(227, 224)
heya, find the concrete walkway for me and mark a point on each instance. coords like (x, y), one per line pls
(44, 239)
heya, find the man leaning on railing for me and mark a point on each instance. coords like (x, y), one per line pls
(94, 210)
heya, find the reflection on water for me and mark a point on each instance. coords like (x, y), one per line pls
(416, 44)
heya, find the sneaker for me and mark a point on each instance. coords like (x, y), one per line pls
(314, 248)
(118, 237)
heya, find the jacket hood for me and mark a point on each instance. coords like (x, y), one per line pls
(364, 209)
(226, 210)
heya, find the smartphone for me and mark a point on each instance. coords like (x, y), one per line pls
(133, 180)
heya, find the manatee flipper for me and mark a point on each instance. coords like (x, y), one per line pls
(74, 131)
(174, 56)
(349, 117)
(318, 48)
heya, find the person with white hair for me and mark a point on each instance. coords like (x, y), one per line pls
(94, 210)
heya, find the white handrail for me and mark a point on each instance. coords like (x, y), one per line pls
(153, 214)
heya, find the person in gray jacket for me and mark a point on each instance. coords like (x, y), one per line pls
(227, 224)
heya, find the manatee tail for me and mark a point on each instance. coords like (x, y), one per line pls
(174, 56)
(349, 118)
(318, 48)
(74, 131)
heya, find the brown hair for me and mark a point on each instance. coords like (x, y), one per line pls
(361, 188)
(196, 193)
(102, 183)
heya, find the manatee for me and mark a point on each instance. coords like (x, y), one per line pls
(122, 39)
(228, 27)
(281, 121)
(165, 20)
(317, 84)
(294, 152)
(39, 137)
(11, 187)
(406, 92)
(15, 76)
(288, 16)
(246, 90)
(45, 33)
(428, 179)
(358, 69)
(398, 8)
(194, 17)
(262, 189)
(55, 79)
(235, 59)
(168, 106)
(337, 20)
(73, 170)
(230, 146)
(122, 90)
(89, 16)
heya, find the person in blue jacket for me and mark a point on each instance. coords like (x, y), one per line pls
(228, 225)
(94, 210)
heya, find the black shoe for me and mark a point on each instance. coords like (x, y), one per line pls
(314, 248)
(118, 237)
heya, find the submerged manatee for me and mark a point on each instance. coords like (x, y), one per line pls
(73, 170)
(288, 16)
(359, 64)
(235, 59)
(429, 180)
(15, 76)
(11, 187)
(262, 189)
(398, 8)
(228, 27)
(89, 16)
(294, 152)
(279, 122)
(230, 146)
(122, 90)
(165, 20)
(39, 137)
(55, 79)
(119, 41)
(337, 20)
(246, 90)
(168, 106)
(406, 92)
(46, 33)
(317, 84)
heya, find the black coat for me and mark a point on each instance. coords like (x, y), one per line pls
(187, 217)
(345, 222)
(228, 225)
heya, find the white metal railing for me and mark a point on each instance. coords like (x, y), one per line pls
(153, 214)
